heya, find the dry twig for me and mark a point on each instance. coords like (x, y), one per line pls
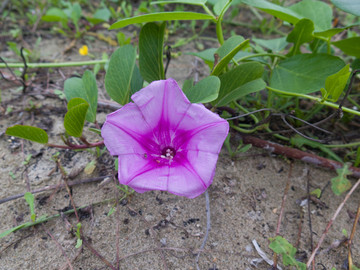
(282, 210)
(331, 222)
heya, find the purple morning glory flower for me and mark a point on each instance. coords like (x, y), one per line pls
(164, 142)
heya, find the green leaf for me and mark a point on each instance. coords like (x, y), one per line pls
(75, 13)
(161, 16)
(350, 6)
(190, 2)
(281, 246)
(204, 91)
(206, 55)
(151, 43)
(241, 91)
(29, 198)
(240, 81)
(229, 45)
(187, 85)
(335, 84)
(119, 74)
(330, 32)
(219, 6)
(304, 73)
(310, 9)
(75, 117)
(227, 58)
(78, 243)
(137, 81)
(54, 15)
(302, 33)
(350, 46)
(14, 229)
(340, 183)
(85, 88)
(29, 133)
(280, 12)
(91, 94)
(299, 141)
(275, 45)
(101, 15)
(316, 192)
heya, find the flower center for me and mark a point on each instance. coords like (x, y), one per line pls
(168, 153)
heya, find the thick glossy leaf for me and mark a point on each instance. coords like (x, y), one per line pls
(237, 77)
(219, 6)
(75, 102)
(162, 16)
(101, 15)
(119, 74)
(137, 81)
(350, 46)
(206, 55)
(318, 12)
(187, 85)
(304, 73)
(204, 91)
(243, 90)
(330, 32)
(190, 2)
(75, 117)
(335, 84)
(280, 12)
(54, 15)
(85, 88)
(302, 33)
(350, 6)
(91, 94)
(275, 45)
(227, 58)
(229, 45)
(29, 133)
(151, 43)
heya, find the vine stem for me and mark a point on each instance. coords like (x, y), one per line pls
(330, 223)
(75, 147)
(208, 228)
(53, 65)
(219, 32)
(297, 154)
(327, 103)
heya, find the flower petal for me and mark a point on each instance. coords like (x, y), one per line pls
(208, 138)
(178, 180)
(125, 131)
(163, 105)
(197, 115)
(184, 181)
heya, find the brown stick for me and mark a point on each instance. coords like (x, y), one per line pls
(70, 184)
(309, 216)
(330, 223)
(352, 236)
(297, 154)
(87, 244)
(59, 246)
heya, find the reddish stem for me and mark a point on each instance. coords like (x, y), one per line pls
(297, 154)
(75, 146)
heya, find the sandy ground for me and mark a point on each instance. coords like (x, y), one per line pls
(158, 230)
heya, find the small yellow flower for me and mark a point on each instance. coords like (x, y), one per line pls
(84, 50)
